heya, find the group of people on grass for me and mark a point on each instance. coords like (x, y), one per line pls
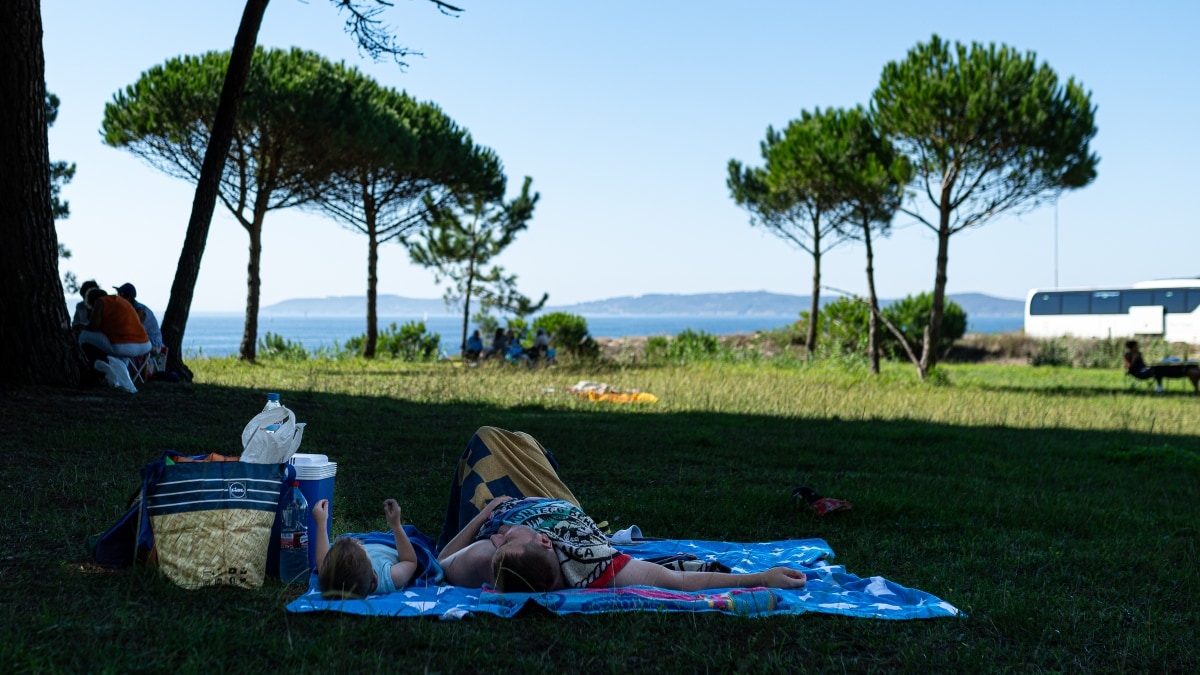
(515, 543)
(507, 345)
(114, 325)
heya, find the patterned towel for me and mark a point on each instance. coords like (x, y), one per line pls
(499, 463)
(830, 590)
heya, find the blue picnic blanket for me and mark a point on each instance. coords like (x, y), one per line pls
(830, 590)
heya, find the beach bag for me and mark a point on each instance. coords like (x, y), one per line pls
(212, 517)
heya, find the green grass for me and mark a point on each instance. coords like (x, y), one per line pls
(1058, 508)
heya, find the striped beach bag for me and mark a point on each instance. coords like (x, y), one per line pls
(212, 517)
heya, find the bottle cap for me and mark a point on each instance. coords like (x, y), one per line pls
(272, 397)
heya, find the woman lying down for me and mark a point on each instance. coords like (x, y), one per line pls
(500, 531)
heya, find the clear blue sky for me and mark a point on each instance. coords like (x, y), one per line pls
(625, 114)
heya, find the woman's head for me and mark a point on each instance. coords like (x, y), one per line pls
(346, 571)
(1132, 345)
(94, 294)
(87, 286)
(524, 561)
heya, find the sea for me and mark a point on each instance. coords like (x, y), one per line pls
(212, 334)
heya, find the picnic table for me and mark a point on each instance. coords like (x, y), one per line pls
(1178, 368)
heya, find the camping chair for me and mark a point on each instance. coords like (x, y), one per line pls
(142, 368)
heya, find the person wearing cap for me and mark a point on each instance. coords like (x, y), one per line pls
(83, 311)
(149, 321)
(113, 329)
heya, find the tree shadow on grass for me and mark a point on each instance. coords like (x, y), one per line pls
(1013, 525)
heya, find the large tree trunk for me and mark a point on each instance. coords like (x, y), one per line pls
(872, 303)
(36, 345)
(186, 273)
(933, 331)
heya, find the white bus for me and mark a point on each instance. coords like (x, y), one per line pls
(1166, 309)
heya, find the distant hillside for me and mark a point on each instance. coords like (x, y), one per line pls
(356, 305)
(761, 303)
(746, 303)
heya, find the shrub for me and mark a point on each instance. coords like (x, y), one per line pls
(568, 333)
(409, 342)
(845, 321)
(687, 347)
(1052, 352)
(844, 324)
(274, 347)
(911, 315)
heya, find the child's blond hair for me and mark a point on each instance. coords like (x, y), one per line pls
(346, 571)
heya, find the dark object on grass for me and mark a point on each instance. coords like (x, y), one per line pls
(820, 505)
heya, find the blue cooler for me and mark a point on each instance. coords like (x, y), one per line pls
(315, 473)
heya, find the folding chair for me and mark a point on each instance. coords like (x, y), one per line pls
(141, 368)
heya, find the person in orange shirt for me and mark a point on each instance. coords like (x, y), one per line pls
(113, 328)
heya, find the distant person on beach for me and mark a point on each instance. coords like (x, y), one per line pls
(149, 321)
(499, 345)
(541, 345)
(474, 346)
(83, 311)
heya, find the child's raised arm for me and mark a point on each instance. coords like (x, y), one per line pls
(320, 514)
(403, 571)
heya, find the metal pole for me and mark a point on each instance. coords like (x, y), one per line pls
(1056, 243)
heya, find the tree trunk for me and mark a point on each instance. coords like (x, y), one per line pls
(872, 303)
(249, 345)
(36, 345)
(466, 313)
(188, 270)
(814, 311)
(933, 331)
(372, 275)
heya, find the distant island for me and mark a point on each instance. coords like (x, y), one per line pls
(743, 303)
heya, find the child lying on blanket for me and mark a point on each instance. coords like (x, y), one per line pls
(352, 569)
(537, 544)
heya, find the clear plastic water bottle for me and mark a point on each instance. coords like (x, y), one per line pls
(293, 539)
(272, 403)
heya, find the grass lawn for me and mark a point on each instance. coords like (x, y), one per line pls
(1057, 508)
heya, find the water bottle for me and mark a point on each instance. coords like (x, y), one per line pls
(293, 539)
(272, 403)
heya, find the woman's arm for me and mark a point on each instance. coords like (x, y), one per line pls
(642, 573)
(466, 535)
(471, 567)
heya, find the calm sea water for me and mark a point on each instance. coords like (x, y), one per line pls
(220, 334)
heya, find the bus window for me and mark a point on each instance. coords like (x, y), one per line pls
(1135, 299)
(1106, 302)
(1193, 300)
(1075, 303)
(1048, 303)
(1172, 300)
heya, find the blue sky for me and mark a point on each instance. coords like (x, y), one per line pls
(625, 114)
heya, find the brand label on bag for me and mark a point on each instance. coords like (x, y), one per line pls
(237, 490)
